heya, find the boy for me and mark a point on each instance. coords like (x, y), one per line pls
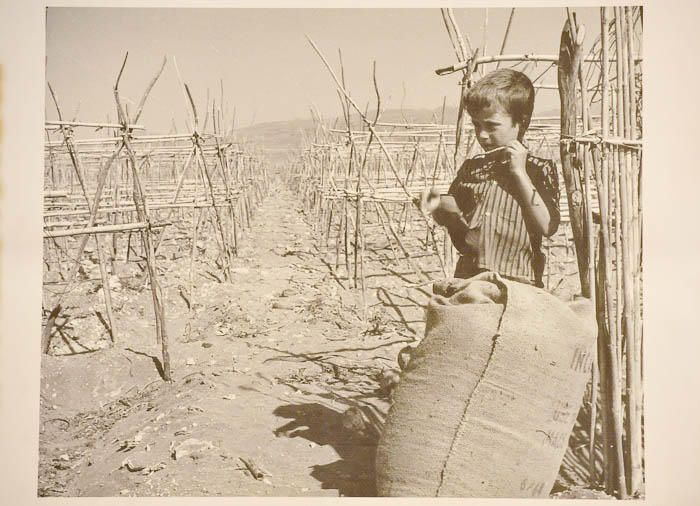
(502, 203)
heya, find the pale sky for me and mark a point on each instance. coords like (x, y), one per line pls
(269, 70)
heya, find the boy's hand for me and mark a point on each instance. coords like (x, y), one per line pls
(443, 208)
(516, 154)
(428, 201)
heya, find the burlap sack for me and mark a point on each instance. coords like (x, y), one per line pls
(489, 398)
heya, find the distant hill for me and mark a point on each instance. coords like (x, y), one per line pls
(278, 138)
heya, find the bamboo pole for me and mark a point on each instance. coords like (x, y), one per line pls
(115, 221)
(338, 241)
(617, 230)
(527, 57)
(360, 244)
(141, 210)
(102, 229)
(637, 484)
(106, 290)
(604, 267)
(613, 428)
(61, 123)
(505, 35)
(462, 53)
(462, 45)
(223, 161)
(633, 412)
(484, 29)
(621, 482)
(346, 239)
(590, 261)
(360, 203)
(196, 217)
(604, 363)
(345, 103)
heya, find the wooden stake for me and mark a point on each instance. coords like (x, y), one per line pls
(196, 217)
(140, 204)
(568, 70)
(604, 364)
(637, 471)
(505, 36)
(633, 418)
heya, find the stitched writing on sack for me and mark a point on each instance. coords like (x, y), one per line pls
(563, 412)
(582, 360)
(533, 489)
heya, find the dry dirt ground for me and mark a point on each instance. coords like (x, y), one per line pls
(262, 382)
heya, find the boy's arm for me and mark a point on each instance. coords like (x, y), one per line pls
(443, 208)
(447, 213)
(539, 207)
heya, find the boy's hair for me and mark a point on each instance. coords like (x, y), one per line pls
(508, 88)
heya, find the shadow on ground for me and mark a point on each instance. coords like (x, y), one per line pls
(353, 474)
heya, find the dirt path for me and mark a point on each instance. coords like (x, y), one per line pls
(272, 362)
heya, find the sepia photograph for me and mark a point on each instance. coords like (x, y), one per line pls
(342, 252)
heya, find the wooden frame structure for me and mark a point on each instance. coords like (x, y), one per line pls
(145, 184)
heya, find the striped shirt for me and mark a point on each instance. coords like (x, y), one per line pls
(495, 237)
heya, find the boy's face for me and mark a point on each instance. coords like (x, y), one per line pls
(494, 127)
